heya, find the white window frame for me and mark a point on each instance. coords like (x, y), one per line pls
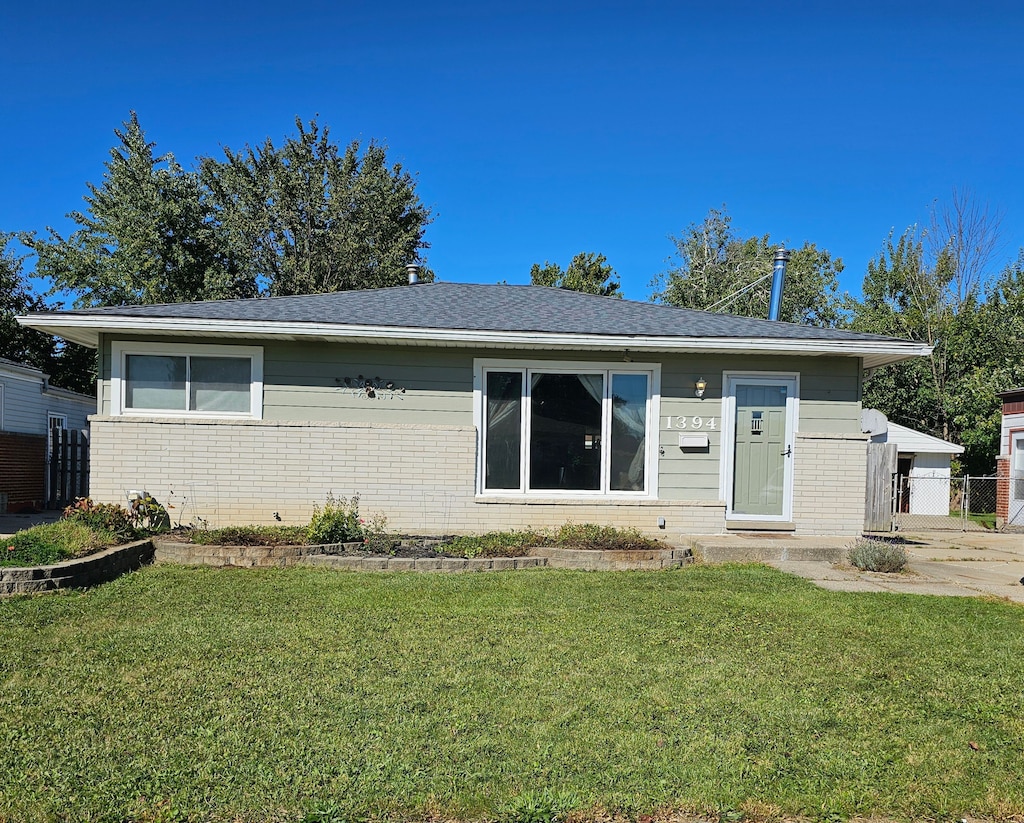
(768, 378)
(526, 367)
(119, 352)
(1, 407)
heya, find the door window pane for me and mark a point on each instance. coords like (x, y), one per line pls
(502, 469)
(629, 432)
(154, 382)
(565, 437)
(220, 384)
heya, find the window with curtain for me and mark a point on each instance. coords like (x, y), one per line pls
(179, 380)
(547, 430)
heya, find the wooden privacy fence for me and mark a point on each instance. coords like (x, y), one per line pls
(68, 468)
(881, 469)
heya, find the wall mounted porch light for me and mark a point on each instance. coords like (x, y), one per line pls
(700, 386)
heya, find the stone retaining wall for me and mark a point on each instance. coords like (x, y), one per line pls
(334, 556)
(194, 554)
(79, 573)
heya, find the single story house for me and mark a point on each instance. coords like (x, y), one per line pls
(923, 464)
(453, 407)
(1010, 463)
(30, 410)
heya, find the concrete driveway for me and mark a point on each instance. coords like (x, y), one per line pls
(961, 564)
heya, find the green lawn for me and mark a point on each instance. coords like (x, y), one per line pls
(197, 694)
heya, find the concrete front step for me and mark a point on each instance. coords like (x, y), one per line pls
(770, 548)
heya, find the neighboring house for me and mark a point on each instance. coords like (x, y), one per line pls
(30, 408)
(923, 466)
(455, 408)
(1010, 463)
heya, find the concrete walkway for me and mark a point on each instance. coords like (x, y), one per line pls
(957, 564)
(11, 523)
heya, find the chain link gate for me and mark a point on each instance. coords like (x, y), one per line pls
(965, 503)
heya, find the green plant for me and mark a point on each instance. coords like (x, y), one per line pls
(249, 536)
(52, 542)
(545, 806)
(878, 556)
(376, 537)
(149, 515)
(104, 517)
(592, 536)
(337, 521)
(494, 544)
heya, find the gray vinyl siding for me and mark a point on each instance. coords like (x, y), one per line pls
(303, 382)
(23, 411)
(829, 403)
(26, 406)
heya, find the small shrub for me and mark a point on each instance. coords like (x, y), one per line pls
(53, 542)
(149, 515)
(337, 521)
(376, 537)
(250, 536)
(494, 544)
(591, 536)
(878, 556)
(103, 517)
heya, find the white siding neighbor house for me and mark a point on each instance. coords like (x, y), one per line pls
(1010, 463)
(453, 407)
(923, 464)
(30, 409)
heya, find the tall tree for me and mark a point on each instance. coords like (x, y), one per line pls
(715, 269)
(70, 366)
(146, 236)
(937, 286)
(587, 272)
(309, 218)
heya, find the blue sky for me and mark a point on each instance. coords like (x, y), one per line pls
(538, 130)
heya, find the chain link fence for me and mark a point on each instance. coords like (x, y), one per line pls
(953, 503)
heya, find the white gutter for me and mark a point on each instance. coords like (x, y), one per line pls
(86, 330)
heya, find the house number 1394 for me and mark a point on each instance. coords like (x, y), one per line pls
(684, 422)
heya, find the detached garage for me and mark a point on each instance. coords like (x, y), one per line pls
(923, 466)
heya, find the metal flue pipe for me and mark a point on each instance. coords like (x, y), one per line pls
(778, 282)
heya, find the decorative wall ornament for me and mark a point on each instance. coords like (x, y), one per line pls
(372, 387)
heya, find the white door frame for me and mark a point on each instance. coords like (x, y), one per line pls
(1015, 514)
(763, 378)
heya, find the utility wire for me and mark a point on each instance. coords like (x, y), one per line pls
(735, 294)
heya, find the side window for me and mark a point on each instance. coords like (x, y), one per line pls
(209, 381)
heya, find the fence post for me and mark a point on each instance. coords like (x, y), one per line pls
(966, 507)
(894, 500)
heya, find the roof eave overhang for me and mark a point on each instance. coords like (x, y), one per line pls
(85, 330)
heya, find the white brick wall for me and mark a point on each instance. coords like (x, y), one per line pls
(421, 477)
(828, 489)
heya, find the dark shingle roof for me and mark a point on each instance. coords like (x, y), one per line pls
(498, 308)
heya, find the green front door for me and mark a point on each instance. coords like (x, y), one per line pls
(761, 453)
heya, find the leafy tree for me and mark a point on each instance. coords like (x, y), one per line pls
(69, 365)
(588, 272)
(146, 236)
(936, 286)
(307, 218)
(717, 270)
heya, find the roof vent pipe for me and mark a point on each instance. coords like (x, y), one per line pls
(778, 282)
(414, 273)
